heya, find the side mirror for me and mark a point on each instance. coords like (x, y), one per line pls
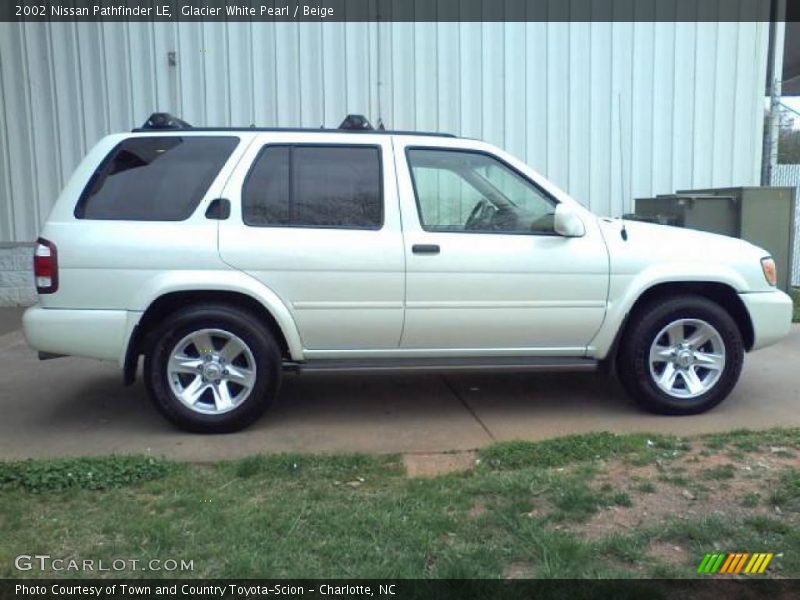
(567, 223)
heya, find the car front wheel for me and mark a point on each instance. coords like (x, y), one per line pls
(681, 357)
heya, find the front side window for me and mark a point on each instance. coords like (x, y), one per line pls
(471, 191)
(314, 186)
(158, 178)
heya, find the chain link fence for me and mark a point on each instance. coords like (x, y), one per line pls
(789, 175)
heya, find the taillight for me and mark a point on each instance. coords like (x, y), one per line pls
(45, 266)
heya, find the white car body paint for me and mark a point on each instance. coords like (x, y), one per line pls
(338, 293)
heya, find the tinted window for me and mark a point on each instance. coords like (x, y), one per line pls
(314, 186)
(154, 178)
(265, 198)
(471, 191)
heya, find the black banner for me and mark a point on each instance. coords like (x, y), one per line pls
(395, 10)
(72, 589)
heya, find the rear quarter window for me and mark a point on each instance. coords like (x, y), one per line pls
(158, 178)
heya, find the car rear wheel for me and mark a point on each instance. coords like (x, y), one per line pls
(212, 369)
(681, 357)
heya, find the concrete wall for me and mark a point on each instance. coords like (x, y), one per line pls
(16, 277)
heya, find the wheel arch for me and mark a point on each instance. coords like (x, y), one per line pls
(167, 303)
(720, 293)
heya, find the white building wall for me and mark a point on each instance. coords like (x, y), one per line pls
(609, 111)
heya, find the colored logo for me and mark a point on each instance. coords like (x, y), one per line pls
(735, 562)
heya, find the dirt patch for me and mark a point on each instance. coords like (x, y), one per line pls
(431, 465)
(518, 570)
(647, 509)
(668, 553)
(477, 509)
(699, 482)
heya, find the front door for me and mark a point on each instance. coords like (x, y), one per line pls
(486, 273)
(315, 218)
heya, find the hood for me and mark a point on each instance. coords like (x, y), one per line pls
(689, 250)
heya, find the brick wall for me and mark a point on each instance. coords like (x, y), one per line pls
(16, 275)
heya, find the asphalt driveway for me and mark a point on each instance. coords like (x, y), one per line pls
(70, 407)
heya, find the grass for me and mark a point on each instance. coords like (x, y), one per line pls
(85, 473)
(720, 472)
(646, 487)
(795, 293)
(540, 506)
(750, 499)
(565, 450)
(748, 441)
(786, 495)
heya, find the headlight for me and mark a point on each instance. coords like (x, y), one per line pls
(770, 272)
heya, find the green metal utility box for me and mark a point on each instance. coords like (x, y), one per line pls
(763, 216)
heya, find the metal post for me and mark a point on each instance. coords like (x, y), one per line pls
(777, 28)
(771, 135)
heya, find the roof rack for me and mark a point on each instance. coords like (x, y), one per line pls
(164, 121)
(351, 124)
(356, 122)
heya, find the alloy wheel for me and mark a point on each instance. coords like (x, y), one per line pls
(211, 371)
(687, 358)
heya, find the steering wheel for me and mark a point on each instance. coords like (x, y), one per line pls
(475, 217)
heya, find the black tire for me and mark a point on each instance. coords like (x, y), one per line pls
(633, 360)
(247, 328)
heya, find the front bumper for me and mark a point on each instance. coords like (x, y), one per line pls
(771, 315)
(100, 334)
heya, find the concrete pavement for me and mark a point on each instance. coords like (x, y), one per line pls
(10, 319)
(71, 407)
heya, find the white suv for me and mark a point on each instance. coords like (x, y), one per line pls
(225, 256)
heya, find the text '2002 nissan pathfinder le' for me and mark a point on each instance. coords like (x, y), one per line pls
(225, 256)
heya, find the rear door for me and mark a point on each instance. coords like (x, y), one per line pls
(315, 218)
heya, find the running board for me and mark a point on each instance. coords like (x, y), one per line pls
(440, 365)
